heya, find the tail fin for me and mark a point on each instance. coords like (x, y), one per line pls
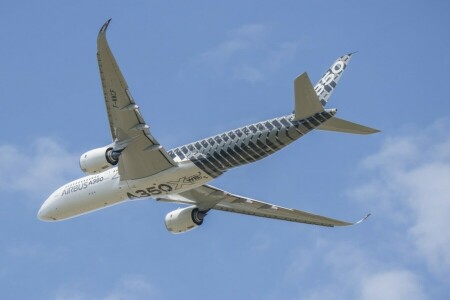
(339, 125)
(310, 100)
(329, 80)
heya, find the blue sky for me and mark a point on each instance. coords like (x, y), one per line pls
(203, 67)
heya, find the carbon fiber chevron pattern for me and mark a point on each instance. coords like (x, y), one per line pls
(216, 154)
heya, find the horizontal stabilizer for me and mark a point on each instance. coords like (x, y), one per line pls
(339, 125)
(306, 101)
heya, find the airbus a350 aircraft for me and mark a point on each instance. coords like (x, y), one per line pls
(135, 166)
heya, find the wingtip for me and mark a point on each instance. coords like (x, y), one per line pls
(372, 131)
(105, 27)
(363, 219)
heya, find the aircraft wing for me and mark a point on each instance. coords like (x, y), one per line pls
(141, 154)
(208, 197)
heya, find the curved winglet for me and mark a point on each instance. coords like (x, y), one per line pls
(104, 27)
(363, 219)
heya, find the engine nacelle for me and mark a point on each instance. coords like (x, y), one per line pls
(184, 219)
(98, 160)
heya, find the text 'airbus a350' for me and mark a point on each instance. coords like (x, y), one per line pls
(135, 166)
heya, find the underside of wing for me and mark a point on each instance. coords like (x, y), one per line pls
(141, 155)
(207, 197)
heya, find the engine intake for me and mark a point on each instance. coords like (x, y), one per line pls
(99, 160)
(184, 219)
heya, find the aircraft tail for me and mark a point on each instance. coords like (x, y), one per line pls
(329, 80)
(311, 100)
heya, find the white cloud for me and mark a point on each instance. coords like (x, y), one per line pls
(246, 37)
(411, 186)
(407, 183)
(248, 54)
(64, 294)
(132, 287)
(280, 55)
(35, 251)
(392, 285)
(261, 242)
(346, 271)
(248, 73)
(36, 169)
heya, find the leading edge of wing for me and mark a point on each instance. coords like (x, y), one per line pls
(141, 154)
(208, 197)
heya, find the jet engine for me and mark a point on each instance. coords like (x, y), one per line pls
(99, 160)
(184, 219)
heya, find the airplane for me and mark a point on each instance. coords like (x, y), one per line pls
(135, 166)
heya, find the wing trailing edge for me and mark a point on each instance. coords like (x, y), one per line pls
(207, 197)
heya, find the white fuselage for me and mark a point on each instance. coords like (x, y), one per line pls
(97, 191)
(197, 163)
(165, 175)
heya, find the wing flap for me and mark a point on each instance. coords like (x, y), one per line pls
(139, 161)
(267, 210)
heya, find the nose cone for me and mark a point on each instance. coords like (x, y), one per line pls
(44, 213)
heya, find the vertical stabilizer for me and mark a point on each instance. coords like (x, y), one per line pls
(329, 80)
(306, 101)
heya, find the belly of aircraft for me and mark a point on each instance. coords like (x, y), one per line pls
(95, 192)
